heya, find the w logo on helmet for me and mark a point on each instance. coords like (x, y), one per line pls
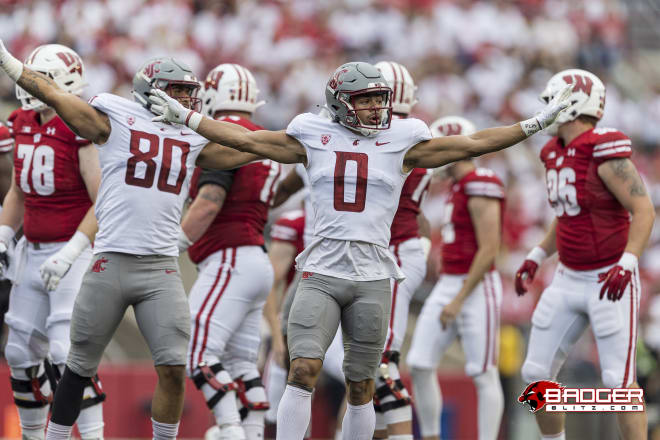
(72, 61)
(213, 80)
(152, 69)
(582, 83)
(534, 394)
(450, 129)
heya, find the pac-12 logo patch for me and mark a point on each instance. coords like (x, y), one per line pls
(534, 394)
(130, 120)
(325, 138)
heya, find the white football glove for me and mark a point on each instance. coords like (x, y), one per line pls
(547, 116)
(6, 235)
(58, 264)
(10, 64)
(171, 110)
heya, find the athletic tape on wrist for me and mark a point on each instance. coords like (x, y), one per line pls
(530, 126)
(537, 255)
(11, 65)
(193, 120)
(6, 234)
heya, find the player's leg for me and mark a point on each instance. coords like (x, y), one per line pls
(557, 323)
(332, 366)
(615, 329)
(156, 292)
(392, 398)
(98, 309)
(90, 420)
(242, 349)
(313, 322)
(364, 327)
(478, 328)
(429, 343)
(27, 346)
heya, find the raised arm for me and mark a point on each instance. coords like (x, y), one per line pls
(83, 119)
(275, 145)
(446, 149)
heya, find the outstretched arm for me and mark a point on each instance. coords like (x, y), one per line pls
(443, 150)
(275, 145)
(83, 119)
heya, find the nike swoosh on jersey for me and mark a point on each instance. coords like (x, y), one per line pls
(378, 144)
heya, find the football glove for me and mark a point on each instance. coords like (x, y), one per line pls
(547, 116)
(6, 235)
(169, 109)
(57, 265)
(616, 280)
(527, 271)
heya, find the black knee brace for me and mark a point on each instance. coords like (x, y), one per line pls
(32, 385)
(241, 389)
(390, 387)
(206, 375)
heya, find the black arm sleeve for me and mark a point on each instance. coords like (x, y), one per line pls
(223, 178)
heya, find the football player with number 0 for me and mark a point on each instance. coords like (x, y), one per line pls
(357, 162)
(224, 228)
(54, 184)
(465, 303)
(603, 221)
(145, 174)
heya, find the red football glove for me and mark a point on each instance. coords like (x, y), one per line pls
(616, 280)
(527, 271)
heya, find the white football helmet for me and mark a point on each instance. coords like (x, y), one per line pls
(587, 96)
(452, 125)
(230, 87)
(402, 85)
(58, 62)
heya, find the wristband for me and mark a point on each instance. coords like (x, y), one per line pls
(537, 255)
(6, 234)
(75, 246)
(426, 246)
(530, 126)
(193, 119)
(628, 261)
(184, 242)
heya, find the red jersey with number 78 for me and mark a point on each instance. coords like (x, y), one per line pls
(48, 172)
(592, 226)
(244, 212)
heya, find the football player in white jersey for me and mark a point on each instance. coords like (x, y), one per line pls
(357, 162)
(146, 170)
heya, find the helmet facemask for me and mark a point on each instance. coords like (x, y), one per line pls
(189, 99)
(381, 114)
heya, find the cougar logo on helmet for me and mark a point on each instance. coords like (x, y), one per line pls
(152, 69)
(335, 81)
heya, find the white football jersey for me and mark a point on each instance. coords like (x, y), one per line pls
(355, 184)
(146, 169)
(308, 233)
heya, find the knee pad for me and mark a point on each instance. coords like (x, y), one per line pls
(532, 372)
(218, 380)
(17, 355)
(58, 351)
(31, 387)
(252, 395)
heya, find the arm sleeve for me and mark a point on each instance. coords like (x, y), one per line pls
(223, 178)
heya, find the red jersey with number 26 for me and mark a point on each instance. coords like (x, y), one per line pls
(404, 225)
(145, 175)
(592, 226)
(48, 172)
(244, 212)
(459, 241)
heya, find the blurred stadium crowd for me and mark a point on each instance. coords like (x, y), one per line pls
(485, 60)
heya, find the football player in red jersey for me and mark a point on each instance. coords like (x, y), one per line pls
(465, 303)
(6, 146)
(603, 221)
(55, 182)
(224, 228)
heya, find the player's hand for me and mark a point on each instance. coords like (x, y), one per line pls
(168, 108)
(279, 350)
(616, 280)
(527, 271)
(9, 63)
(547, 116)
(54, 269)
(450, 312)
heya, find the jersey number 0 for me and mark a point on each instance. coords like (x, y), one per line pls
(362, 161)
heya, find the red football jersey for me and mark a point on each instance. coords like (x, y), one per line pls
(404, 226)
(244, 213)
(47, 170)
(6, 140)
(290, 228)
(592, 226)
(459, 242)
